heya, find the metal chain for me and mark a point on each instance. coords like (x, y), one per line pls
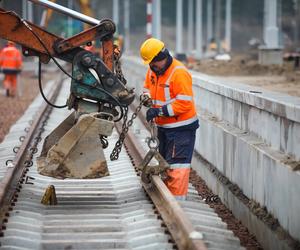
(118, 69)
(125, 127)
(127, 124)
(153, 141)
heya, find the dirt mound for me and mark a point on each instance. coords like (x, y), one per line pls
(245, 69)
(239, 66)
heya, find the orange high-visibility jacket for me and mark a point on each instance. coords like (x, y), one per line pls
(172, 91)
(10, 58)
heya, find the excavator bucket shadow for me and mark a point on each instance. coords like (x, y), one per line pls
(74, 150)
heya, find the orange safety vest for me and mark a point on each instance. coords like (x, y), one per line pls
(10, 58)
(172, 90)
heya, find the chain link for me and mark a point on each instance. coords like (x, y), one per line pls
(125, 127)
(118, 69)
(126, 124)
(118, 72)
(153, 141)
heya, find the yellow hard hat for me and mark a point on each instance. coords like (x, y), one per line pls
(150, 48)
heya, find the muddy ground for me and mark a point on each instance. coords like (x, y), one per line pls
(244, 69)
(12, 108)
(247, 239)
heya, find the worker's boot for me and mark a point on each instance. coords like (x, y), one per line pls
(7, 92)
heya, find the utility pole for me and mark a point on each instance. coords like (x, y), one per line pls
(179, 26)
(271, 28)
(70, 20)
(149, 29)
(271, 52)
(190, 25)
(24, 9)
(218, 25)
(296, 23)
(209, 22)
(199, 29)
(29, 12)
(228, 25)
(156, 21)
(127, 25)
(116, 14)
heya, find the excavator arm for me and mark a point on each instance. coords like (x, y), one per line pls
(98, 96)
(45, 44)
(39, 42)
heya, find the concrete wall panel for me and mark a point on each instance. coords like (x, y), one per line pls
(253, 118)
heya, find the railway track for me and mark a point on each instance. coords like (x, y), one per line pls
(114, 212)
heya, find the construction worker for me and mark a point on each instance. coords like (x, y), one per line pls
(10, 63)
(169, 85)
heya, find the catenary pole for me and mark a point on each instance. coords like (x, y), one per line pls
(156, 21)
(29, 12)
(199, 29)
(127, 24)
(271, 28)
(116, 14)
(190, 25)
(179, 26)
(24, 9)
(209, 22)
(228, 25)
(149, 19)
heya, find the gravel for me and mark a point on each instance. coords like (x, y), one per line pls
(12, 108)
(247, 239)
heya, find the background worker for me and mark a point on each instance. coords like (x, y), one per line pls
(169, 85)
(10, 63)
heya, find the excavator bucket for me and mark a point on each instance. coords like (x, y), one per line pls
(75, 151)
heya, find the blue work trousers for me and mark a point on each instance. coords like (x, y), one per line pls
(177, 147)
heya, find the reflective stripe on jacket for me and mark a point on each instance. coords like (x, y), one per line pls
(10, 58)
(173, 92)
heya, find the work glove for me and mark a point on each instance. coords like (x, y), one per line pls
(152, 113)
(147, 101)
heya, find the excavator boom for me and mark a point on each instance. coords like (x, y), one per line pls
(15, 29)
(97, 101)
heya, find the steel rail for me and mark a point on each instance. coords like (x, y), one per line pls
(177, 222)
(17, 170)
(67, 11)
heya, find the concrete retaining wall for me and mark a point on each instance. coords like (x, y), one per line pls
(251, 136)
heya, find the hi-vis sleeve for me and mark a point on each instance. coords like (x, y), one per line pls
(146, 88)
(181, 87)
